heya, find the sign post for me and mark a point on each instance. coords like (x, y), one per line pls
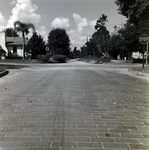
(146, 53)
(144, 39)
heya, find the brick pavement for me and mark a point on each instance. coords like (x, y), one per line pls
(74, 109)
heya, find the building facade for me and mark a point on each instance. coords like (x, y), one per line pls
(12, 45)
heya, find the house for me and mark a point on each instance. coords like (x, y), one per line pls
(13, 45)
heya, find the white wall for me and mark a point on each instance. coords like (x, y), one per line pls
(2, 41)
(20, 51)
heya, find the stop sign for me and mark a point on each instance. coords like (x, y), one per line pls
(143, 38)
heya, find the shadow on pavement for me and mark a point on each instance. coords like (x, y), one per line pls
(8, 66)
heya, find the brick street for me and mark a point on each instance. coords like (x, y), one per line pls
(73, 106)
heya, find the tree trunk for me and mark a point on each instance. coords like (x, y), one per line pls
(23, 45)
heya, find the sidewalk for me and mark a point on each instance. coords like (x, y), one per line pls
(127, 67)
(140, 71)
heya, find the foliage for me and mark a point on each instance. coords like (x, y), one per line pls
(102, 34)
(91, 48)
(83, 53)
(75, 53)
(13, 56)
(114, 45)
(10, 32)
(98, 45)
(36, 45)
(44, 58)
(59, 42)
(138, 19)
(24, 29)
(104, 59)
(59, 58)
(135, 10)
(100, 23)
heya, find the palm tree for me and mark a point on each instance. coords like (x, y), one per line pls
(24, 29)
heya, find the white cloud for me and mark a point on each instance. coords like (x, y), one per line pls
(60, 22)
(3, 21)
(77, 39)
(40, 31)
(84, 29)
(93, 23)
(43, 32)
(80, 21)
(24, 11)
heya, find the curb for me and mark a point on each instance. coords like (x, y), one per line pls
(3, 73)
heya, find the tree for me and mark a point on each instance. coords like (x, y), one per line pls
(83, 53)
(76, 53)
(98, 45)
(115, 46)
(100, 23)
(36, 45)
(10, 32)
(91, 48)
(24, 29)
(135, 10)
(101, 36)
(59, 42)
(124, 6)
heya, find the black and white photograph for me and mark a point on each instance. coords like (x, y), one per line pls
(74, 74)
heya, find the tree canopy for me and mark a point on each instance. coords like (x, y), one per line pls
(36, 45)
(59, 42)
(24, 29)
(99, 43)
(136, 11)
(10, 32)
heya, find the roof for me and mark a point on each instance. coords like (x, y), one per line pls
(15, 41)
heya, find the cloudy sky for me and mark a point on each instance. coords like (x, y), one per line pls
(78, 17)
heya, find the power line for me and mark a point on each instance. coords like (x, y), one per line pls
(89, 26)
(75, 26)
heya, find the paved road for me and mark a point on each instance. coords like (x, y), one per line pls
(73, 106)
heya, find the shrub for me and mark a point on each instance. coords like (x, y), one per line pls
(43, 58)
(59, 58)
(13, 56)
(104, 59)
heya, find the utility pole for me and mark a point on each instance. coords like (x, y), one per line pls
(147, 54)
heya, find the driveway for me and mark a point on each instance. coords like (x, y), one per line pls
(73, 106)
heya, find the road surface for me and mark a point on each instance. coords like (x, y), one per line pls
(73, 106)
